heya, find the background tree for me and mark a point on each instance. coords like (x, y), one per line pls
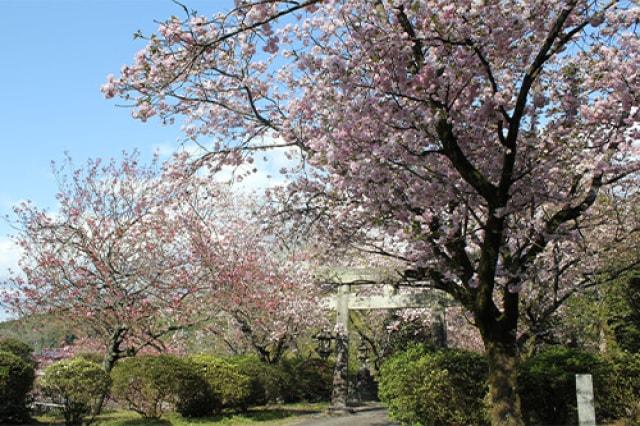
(463, 139)
(110, 258)
(265, 289)
(589, 266)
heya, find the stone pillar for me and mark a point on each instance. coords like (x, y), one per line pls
(584, 395)
(340, 393)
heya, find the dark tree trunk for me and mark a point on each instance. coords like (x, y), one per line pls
(113, 354)
(502, 356)
(107, 365)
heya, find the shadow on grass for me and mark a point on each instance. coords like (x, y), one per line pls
(109, 419)
(256, 415)
(253, 415)
(143, 422)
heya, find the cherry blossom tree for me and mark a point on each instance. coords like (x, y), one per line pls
(462, 138)
(110, 258)
(603, 251)
(266, 289)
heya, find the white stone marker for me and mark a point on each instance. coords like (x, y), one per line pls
(584, 394)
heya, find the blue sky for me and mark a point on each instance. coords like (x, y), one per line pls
(55, 55)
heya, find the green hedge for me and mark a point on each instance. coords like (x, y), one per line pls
(625, 371)
(78, 385)
(16, 381)
(267, 382)
(151, 384)
(19, 349)
(291, 380)
(547, 385)
(446, 387)
(307, 380)
(548, 389)
(230, 388)
(202, 385)
(95, 357)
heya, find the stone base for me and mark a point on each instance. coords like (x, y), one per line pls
(339, 410)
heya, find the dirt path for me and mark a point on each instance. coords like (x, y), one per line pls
(373, 417)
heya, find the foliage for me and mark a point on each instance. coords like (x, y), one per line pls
(115, 231)
(602, 317)
(264, 288)
(77, 384)
(267, 381)
(229, 386)
(42, 331)
(94, 357)
(198, 401)
(18, 348)
(434, 388)
(16, 381)
(472, 156)
(151, 384)
(547, 386)
(626, 321)
(624, 371)
(306, 379)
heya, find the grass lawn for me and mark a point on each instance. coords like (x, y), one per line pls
(264, 416)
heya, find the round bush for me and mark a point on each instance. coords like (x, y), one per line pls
(308, 380)
(95, 357)
(199, 401)
(228, 385)
(623, 400)
(446, 387)
(267, 382)
(16, 381)
(19, 349)
(151, 384)
(77, 384)
(547, 386)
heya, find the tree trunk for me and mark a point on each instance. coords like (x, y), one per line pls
(113, 353)
(107, 365)
(502, 355)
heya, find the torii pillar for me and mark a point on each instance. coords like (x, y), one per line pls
(340, 392)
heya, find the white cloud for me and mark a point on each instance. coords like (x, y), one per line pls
(265, 171)
(9, 255)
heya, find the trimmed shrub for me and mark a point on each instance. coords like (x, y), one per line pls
(547, 386)
(95, 357)
(446, 387)
(198, 401)
(623, 400)
(16, 381)
(267, 382)
(307, 379)
(19, 349)
(151, 384)
(228, 385)
(77, 384)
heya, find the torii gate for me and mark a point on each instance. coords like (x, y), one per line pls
(344, 301)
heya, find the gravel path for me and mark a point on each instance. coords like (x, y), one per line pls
(374, 417)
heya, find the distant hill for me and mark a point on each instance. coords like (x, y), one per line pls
(42, 331)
